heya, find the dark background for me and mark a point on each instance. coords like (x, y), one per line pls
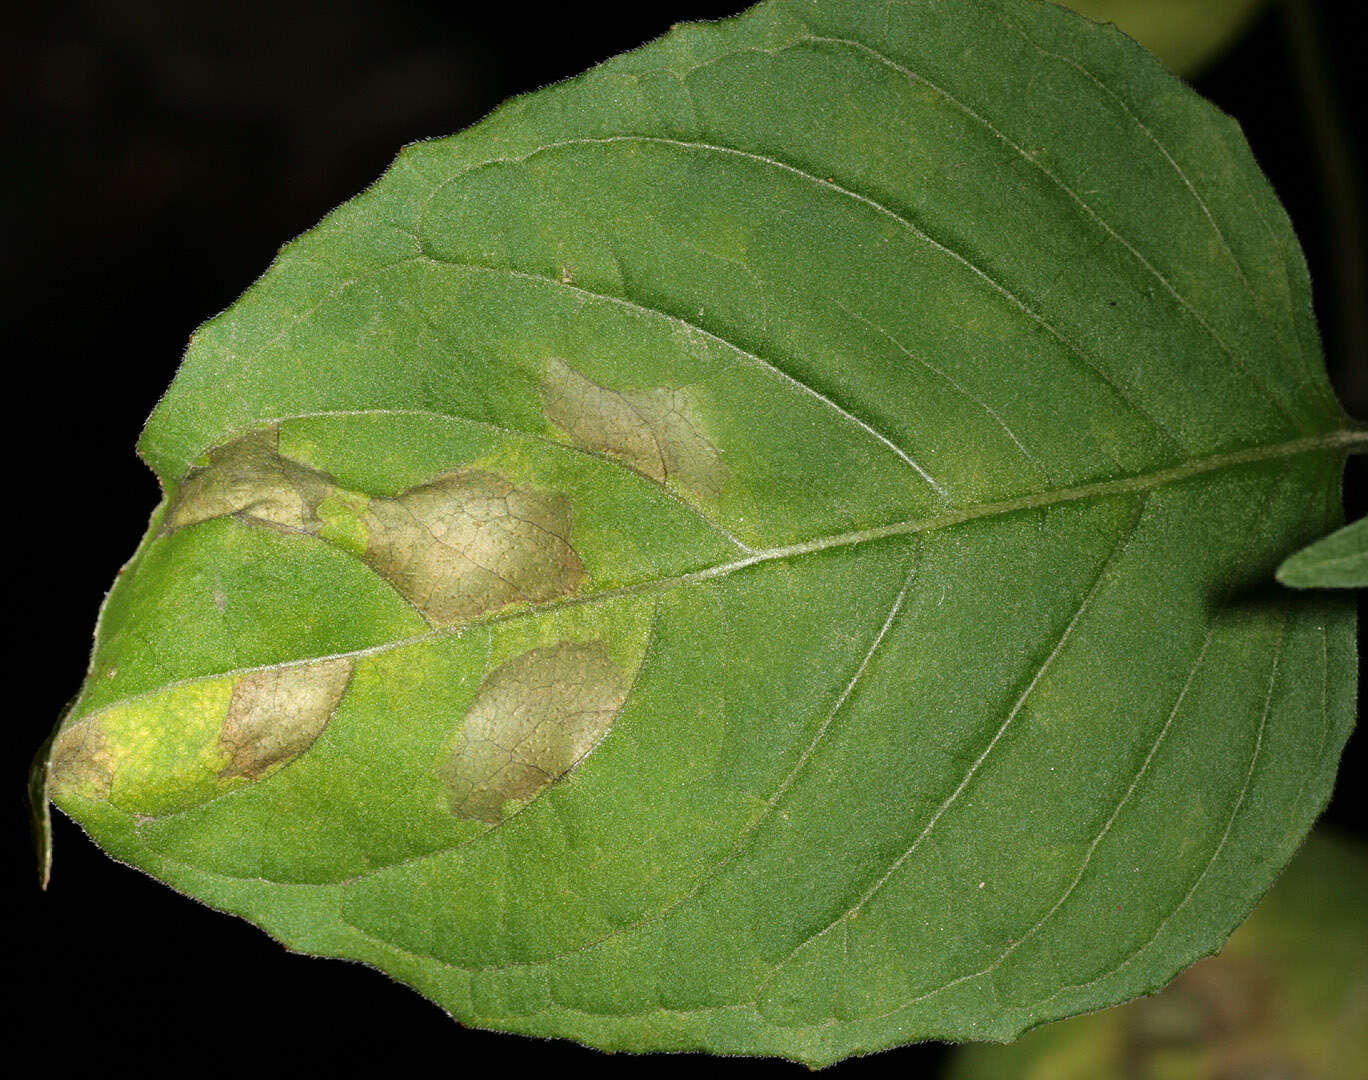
(156, 156)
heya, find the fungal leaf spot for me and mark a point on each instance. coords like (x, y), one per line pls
(655, 431)
(460, 545)
(81, 761)
(533, 719)
(276, 714)
(249, 478)
(470, 542)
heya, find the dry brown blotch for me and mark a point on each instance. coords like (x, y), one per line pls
(276, 714)
(81, 760)
(655, 431)
(249, 478)
(533, 719)
(471, 542)
(463, 544)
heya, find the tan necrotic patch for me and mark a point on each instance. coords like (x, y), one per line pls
(655, 431)
(276, 714)
(191, 742)
(81, 761)
(470, 542)
(533, 719)
(249, 478)
(465, 543)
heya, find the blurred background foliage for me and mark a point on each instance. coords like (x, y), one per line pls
(157, 156)
(1186, 35)
(1287, 999)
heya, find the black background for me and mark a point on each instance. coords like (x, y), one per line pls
(156, 156)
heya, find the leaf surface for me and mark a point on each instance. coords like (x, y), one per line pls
(1339, 560)
(758, 548)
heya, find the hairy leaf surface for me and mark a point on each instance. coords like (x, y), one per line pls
(766, 547)
(1339, 560)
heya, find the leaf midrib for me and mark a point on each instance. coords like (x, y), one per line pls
(1348, 440)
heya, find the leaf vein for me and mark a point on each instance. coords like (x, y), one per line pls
(1075, 351)
(1182, 301)
(768, 365)
(1168, 157)
(1220, 846)
(1103, 574)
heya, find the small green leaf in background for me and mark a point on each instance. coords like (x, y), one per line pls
(1287, 997)
(1186, 35)
(1340, 560)
(760, 548)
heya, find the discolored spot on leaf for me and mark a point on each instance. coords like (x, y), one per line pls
(657, 431)
(463, 544)
(471, 542)
(82, 762)
(533, 719)
(276, 714)
(249, 478)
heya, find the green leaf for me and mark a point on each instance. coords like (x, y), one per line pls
(1187, 35)
(759, 548)
(1284, 998)
(1340, 560)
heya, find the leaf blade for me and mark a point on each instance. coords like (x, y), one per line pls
(1339, 560)
(945, 462)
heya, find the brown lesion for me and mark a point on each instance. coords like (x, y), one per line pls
(533, 719)
(269, 717)
(471, 542)
(81, 761)
(276, 714)
(465, 543)
(248, 478)
(656, 431)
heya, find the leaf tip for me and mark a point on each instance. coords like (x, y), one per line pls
(40, 813)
